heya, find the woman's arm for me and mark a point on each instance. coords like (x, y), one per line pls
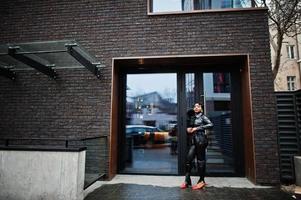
(207, 124)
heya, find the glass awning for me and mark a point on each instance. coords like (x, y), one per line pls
(45, 57)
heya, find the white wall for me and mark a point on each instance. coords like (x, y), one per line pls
(288, 67)
(36, 175)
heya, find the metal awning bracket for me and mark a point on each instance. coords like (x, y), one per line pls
(82, 57)
(30, 60)
(74, 44)
(13, 48)
(50, 65)
(8, 72)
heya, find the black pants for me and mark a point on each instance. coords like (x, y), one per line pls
(197, 149)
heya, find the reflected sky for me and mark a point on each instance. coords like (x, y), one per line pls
(164, 84)
(164, 5)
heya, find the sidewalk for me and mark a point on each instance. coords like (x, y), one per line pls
(128, 187)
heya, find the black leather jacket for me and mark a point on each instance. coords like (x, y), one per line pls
(201, 122)
(198, 120)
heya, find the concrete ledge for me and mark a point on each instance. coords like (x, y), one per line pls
(47, 175)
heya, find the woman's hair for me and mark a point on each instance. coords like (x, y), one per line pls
(199, 103)
(190, 112)
(190, 118)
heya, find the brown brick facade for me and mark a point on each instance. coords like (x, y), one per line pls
(78, 104)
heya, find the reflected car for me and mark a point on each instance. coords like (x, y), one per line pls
(143, 134)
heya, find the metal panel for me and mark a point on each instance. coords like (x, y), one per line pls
(289, 121)
(298, 116)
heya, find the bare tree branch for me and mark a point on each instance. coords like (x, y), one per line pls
(285, 16)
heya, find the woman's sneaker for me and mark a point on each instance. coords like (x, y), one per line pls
(184, 185)
(199, 186)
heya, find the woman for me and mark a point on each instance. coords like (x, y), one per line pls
(197, 123)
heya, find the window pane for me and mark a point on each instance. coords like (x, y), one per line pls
(150, 135)
(290, 51)
(221, 82)
(217, 4)
(227, 3)
(220, 152)
(291, 83)
(190, 92)
(202, 4)
(189, 5)
(166, 5)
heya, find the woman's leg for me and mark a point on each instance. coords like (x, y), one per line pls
(188, 166)
(189, 159)
(201, 161)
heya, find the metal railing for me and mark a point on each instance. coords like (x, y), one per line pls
(96, 159)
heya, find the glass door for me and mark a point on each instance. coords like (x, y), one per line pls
(150, 136)
(213, 90)
(153, 137)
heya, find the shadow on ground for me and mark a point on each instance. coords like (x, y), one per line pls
(143, 192)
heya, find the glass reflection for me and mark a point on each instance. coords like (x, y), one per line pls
(189, 5)
(217, 107)
(166, 5)
(217, 90)
(151, 124)
(190, 92)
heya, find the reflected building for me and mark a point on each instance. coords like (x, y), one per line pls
(152, 110)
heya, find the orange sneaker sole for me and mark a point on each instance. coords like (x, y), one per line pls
(184, 186)
(199, 186)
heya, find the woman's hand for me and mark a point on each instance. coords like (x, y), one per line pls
(191, 130)
(194, 130)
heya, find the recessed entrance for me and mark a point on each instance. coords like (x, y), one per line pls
(153, 96)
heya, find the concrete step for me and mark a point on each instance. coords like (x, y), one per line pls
(214, 153)
(213, 142)
(215, 160)
(214, 147)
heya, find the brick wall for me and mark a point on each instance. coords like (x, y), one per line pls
(79, 104)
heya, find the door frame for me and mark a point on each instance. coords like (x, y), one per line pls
(211, 63)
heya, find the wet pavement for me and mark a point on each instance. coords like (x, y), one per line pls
(126, 191)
